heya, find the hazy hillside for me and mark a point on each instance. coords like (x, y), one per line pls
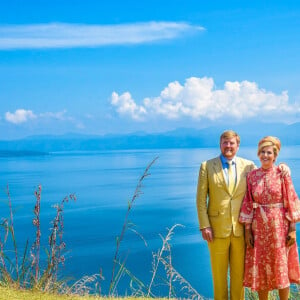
(180, 138)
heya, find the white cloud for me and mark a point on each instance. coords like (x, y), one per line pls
(127, 106)
(19, 116)
(199, 99)
(22, 116)
(60, 35)
(60, 115)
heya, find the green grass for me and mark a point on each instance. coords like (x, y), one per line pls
(12, 294)
(7, 293)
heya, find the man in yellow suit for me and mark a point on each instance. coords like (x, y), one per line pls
(221, 189)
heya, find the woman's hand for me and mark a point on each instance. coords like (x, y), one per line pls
(284, 168)
(291, 237)
(249, 238)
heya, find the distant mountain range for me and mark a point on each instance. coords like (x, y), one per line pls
(180, 138)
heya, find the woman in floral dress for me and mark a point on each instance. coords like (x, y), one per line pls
(269, 211)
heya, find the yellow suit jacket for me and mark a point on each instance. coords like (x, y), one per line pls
(216, 207)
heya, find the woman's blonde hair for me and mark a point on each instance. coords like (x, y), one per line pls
(269, 141)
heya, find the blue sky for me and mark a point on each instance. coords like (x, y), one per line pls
(97, 67)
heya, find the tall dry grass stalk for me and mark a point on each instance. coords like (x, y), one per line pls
(118, 265)
(28, 272)
(177, 286)
(35, 249)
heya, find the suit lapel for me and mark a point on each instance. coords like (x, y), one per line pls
(239, 169)
(217, 165)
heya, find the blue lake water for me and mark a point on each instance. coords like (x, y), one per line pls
(104, 182)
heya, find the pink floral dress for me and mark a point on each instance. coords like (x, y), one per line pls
(269, 205)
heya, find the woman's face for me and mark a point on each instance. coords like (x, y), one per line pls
(267, 157)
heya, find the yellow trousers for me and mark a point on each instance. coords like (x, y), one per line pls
(227, 253)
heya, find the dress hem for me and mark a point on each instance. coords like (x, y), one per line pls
(268, 288)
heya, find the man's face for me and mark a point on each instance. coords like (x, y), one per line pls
(229, 147)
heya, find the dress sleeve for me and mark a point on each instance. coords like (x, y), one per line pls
(246, 213)
(291, 200)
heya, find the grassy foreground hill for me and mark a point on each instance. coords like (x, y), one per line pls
(12, 294)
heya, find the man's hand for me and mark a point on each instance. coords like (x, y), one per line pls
(285, 170)
(207, 234)
(249, 238)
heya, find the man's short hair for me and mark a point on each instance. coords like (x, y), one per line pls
(228, 134)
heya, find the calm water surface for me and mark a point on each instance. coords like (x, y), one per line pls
(104, 182)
